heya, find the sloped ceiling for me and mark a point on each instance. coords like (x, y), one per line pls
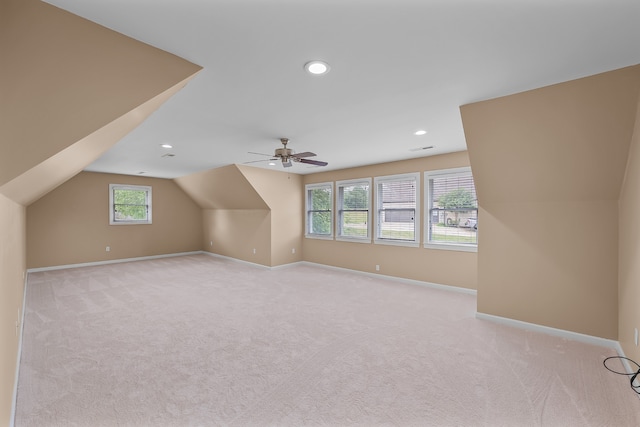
(222, 188)
(568, 141)
(63, 79)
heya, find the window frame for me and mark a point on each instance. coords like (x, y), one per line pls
(148, 199)
(461, 247)
(307, 223)
(415, 176)
(340, 185)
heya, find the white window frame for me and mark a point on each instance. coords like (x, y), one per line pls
(307, 232)
(148, 193)
(339, 205)
(416, 220)
(428, 175)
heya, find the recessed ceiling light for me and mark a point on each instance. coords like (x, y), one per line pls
(420, 132)
(166, 146)
(317, 67)
(271, 164)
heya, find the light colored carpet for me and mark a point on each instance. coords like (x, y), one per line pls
(203, 341)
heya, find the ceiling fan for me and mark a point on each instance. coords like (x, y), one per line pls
(286, 156)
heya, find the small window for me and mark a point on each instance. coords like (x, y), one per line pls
(354, 215)
(397, 215)
(129, 204)
(319, 208)
(452, 208)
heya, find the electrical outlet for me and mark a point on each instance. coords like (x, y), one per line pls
(377, 267)
(211, 243)
(108, 248)
(254, 251)
(293, 250)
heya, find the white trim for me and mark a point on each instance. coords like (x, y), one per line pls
(376, 207)
(439, 173)
(252, 264)
(111, 261)
(338, 206)
(451, 247)
(318, 185)
(562, 333)
(396, 279)
(148, 192)
(14, 400)
(354, 239)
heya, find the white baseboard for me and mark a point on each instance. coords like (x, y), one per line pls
(14, 401)
(396, 279)
(576, 336)
(111, 261)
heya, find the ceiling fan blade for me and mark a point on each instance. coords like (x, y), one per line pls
(313, 162)
(260, 154)
(258, 161)
(305, 154)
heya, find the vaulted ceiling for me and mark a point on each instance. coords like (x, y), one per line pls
(396, 67)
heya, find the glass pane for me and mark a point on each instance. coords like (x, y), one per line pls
(354, 224)
(130, 212)
(454, 226)
(454, 210)
(397, 224)
(320, 222)
(355, 197)
(130, 197)
(397, 210)
(320, 199)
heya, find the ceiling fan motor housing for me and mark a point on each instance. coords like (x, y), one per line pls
(283, 152)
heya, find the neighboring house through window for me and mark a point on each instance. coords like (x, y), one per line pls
(319, 208)
(452, 210)
(129, 204)
(354, 214)
(397, 215)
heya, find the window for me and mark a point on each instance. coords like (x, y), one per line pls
(319, 207)
(452, 208)
(397, 209)
(354, 216)
(129, 204)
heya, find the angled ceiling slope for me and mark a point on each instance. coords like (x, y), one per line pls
(70, 90)
(568, 141)
(222, 188)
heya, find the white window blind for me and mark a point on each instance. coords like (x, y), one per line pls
(397, 208)
(452, 208)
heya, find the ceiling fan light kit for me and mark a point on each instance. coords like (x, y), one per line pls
(287, 156)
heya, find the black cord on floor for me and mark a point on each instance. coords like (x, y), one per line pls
(635, 388)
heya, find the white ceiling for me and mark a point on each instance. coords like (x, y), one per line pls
(396, 66)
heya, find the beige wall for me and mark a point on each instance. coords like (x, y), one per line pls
(70, 90)
(236, 233)
(430, 265)
(247, 208)
(12, 268)
(629, 249)
(282, 193)
(548, 166)
(70, 225)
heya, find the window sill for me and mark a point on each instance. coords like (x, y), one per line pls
(130, 223)
(318, 236)
(353, 239)
(451, 247)
(397, 243)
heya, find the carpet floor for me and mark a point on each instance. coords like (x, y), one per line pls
(206, 341)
